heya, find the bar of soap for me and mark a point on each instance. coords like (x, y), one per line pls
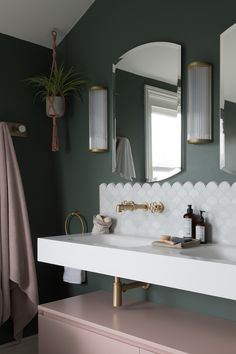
(167, 242)
(165, 237)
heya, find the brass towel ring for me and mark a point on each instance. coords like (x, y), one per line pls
(70, 217)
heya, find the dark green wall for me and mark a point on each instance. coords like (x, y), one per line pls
(109, 29)
(19, 60)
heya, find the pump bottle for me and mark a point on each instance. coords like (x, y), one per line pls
(201, 228)
(189, 223)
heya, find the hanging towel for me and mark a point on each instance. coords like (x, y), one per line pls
(71, 275)
(101, 225)
(74, 276)
(124, 159)
(18, 284)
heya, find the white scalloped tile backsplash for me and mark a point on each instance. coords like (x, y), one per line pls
(219, 202)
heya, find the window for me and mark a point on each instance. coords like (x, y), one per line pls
(162, 133)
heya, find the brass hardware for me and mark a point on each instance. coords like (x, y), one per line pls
(97, 87)
(199, 63)
(199, 141)
(117, 292)
(119, 287)
(98, 150)
(68, 221)
(17, 129)
(154, 207)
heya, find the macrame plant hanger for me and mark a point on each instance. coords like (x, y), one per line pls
(52, 110)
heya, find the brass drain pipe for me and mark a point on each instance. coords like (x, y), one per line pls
(119, 287)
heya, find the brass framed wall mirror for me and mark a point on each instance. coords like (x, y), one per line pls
(228, 100)
(147, 112)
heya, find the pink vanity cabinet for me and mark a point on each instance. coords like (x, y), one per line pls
(58, 336)
(88, 324)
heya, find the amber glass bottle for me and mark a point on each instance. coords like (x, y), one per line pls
(189, 223)
(201, 228)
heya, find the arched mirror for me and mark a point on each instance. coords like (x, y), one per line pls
(147, 112)
(228, 100)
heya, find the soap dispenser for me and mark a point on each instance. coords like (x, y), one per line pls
(201, 228)
(189, 223)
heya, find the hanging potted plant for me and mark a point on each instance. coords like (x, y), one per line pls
(54, 88)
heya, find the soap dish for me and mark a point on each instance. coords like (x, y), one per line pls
(162, 243)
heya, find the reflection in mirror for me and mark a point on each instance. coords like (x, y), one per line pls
(147, 112)
(228, 100)
(162, 120)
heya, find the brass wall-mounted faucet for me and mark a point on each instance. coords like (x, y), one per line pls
(119, 287)
(154, 207)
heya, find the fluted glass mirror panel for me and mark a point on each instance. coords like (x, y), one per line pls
(147, 124)
(228, 100)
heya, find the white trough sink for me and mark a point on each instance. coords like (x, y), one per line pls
(207, 269)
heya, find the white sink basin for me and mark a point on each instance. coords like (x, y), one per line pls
(209, 269)
(111, 240)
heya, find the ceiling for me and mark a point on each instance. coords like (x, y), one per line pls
(33, 20)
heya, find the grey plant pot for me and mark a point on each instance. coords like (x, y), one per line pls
(55, 106)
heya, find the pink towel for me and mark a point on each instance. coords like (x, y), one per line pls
(18, 283)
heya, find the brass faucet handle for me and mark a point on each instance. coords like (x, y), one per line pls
(156, 207)
(125, 205)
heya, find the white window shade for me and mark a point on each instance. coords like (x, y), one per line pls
(98, 119)
(199, 121)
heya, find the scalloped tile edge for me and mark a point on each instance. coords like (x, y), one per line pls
(148, 186)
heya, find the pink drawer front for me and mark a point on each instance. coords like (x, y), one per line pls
(59, 337)
(143, 351)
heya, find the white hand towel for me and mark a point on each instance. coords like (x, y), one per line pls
(124, 159)
(71, 275)
(101, 225)
(74, 276)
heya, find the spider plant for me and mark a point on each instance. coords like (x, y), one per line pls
(61, 82)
